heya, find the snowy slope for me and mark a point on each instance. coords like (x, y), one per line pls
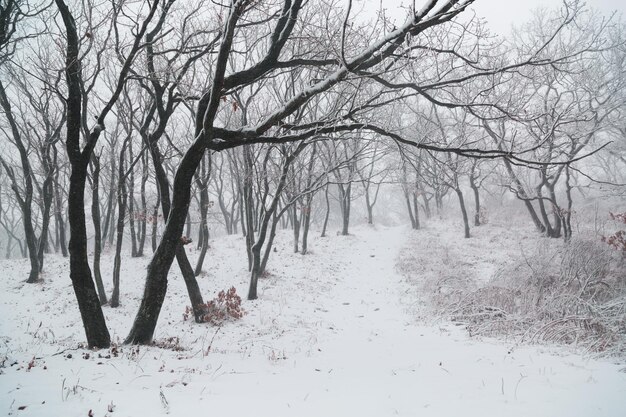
(333, 334)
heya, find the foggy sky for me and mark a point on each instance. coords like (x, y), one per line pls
(500, 14)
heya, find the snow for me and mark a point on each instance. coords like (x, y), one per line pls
(333, 333)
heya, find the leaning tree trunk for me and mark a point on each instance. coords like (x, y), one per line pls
(521, 193)
(193, 290)
(544, 214)
(156, 280)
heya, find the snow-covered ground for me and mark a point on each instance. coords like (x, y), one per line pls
(334, 333)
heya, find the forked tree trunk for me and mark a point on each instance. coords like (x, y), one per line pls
(156, 280)
(193, 290)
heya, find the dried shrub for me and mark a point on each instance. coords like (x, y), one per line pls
(618, 239)
(573, 294)
(226, 306)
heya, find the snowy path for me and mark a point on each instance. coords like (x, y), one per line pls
(328, 337)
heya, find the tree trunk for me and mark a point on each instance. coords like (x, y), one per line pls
(158, 269)
(296, 228)
(80, 274)
(306, 223)
(521, 193)
(567, 218)
(122, 198)
(155, 222)
(97, 241)
(416, 210)
(202, 182)
(476, 201)
(410, 209)
(544, 214)
(58, 209)
(110, 200)
(143, 218)
(248, 204)
(325, 224)
(459, 193)
(47, 196)
(345, 199)
(556, 215)
(193, 290)
(132, 215)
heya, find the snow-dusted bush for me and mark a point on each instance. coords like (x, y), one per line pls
(571, 294)
(226, 306)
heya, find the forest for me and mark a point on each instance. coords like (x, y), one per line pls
(326, 207)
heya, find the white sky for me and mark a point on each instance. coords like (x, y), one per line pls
(500, 14)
